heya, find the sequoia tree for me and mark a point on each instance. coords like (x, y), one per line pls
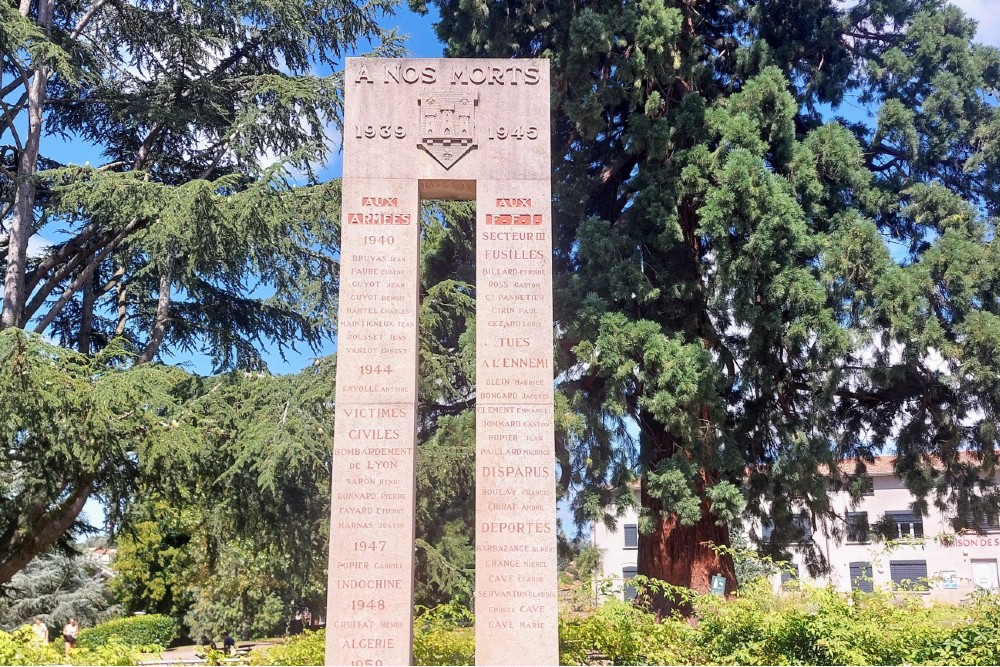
(769, 293)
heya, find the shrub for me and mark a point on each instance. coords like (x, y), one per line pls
(627, 635)
(22, 648)
(305, 649)
(136, 631)
(444, 635)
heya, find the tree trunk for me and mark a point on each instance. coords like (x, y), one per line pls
(22, 223)
(23, 543)
(86, 315)
(244, 615)
(680, 556)
(162, 313)
(675, 553)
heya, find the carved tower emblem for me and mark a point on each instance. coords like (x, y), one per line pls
(448, 125)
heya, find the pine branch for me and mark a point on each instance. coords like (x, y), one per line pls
(107, 244)
(162, 313)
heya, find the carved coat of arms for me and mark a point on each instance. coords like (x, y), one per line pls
(448, 125)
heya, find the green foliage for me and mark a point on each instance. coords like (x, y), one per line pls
(152, 559)
(444, 635)
(763, 288)
(305, 649)
(21, 648)
(135, 631)
(57, 587)
(241, 592)
(627, 635)
(84, 425)
(809, 626)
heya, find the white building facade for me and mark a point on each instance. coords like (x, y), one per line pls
(925, 553)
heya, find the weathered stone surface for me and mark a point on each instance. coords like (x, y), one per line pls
(370, 594)
(516, 606)
(387, 133)
(448, 129)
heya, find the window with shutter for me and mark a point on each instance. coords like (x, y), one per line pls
(983, 524)
(861, 577)
(857, 527)
(803, 527)
(909, 574)
(631, 536)
(629, 592)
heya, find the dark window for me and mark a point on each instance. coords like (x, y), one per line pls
(801, 529)
(629, 592)
(861, 577)
(868, 486)
(857, 527)
(909, 574)
(789, 573)
(905, 525)
(631, 536)
(985, 523)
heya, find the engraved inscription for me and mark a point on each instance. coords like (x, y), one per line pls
(512, 75)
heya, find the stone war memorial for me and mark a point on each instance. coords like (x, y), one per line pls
(444, 129)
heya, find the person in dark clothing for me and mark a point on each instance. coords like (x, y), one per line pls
(228, 644)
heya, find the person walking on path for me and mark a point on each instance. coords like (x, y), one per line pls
(41, 631)
(70, 632)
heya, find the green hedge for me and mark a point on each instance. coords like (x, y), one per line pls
(21, 647)
(811, 626)
(149, 630)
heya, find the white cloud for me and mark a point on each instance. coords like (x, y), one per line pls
(987, 14)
